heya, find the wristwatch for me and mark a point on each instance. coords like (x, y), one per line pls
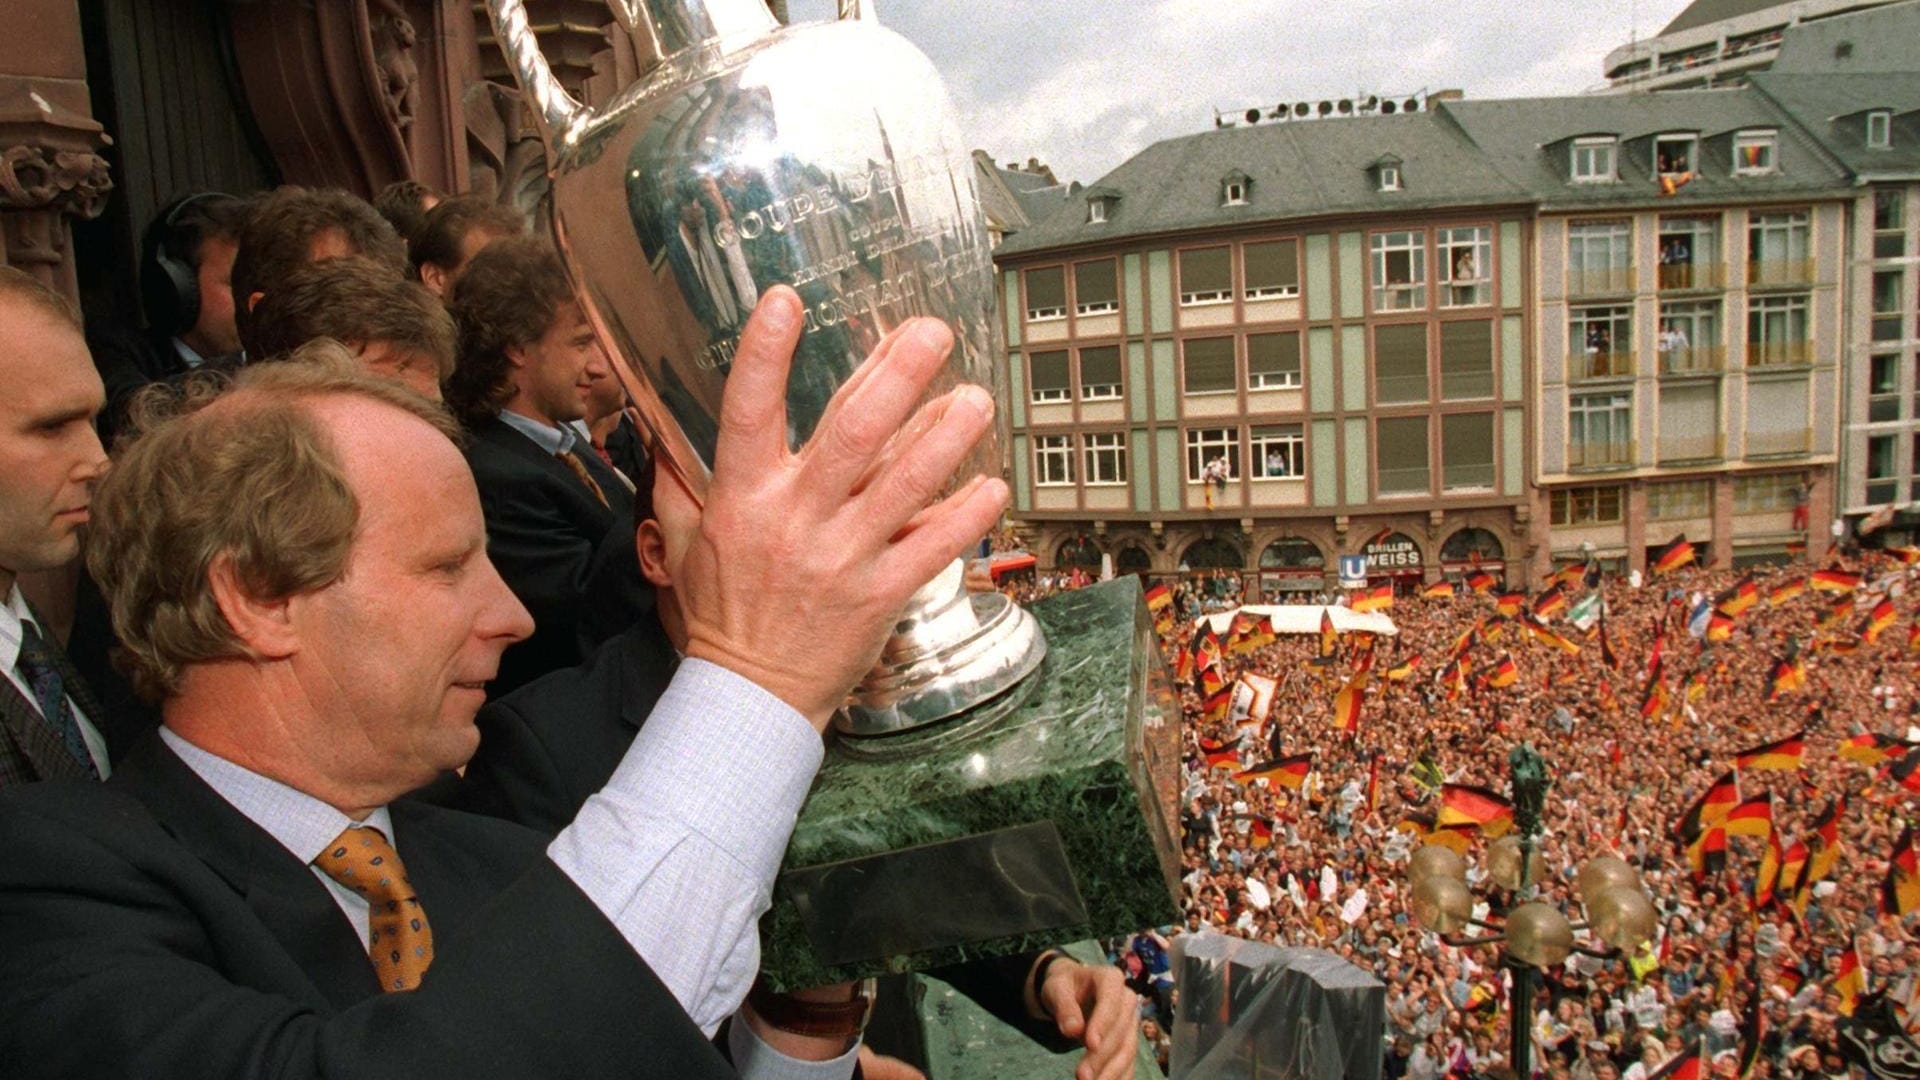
(816, 1019)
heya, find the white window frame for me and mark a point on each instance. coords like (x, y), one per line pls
(1409, 295)
(1053, 460)
(1234, 193)
(1210, 296)
(1100, 307)
(1879, 129)
(1789, 311)
(1692, 142)
(1594, 160)
(1680, 500)
(1106, 458)
(1205, 444)
(1570, 498)
(1617, 407)
(1276, 292)
(1478, 239)
(1769, 140)
(1389, 178)
(1273, 380)
(1095, 391)
(1289, 439)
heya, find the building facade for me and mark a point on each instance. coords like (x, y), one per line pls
(1718, 42)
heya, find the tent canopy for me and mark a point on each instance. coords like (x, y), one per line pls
(1305, 619)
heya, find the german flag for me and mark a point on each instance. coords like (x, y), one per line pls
(1675, 555)
(1493, 629)
(1696, 685)
(1182, 664)
(1287, 772)
(1500, 674)
(1784, 754)
(1872, 749)
(1465, 804)
(1753, 1028)
(1768, 875)
(1835, 613)
(1572, 573)
(1511, 603)
(1787, 590)
(1329, 638)
(1439, 590)
(1877, 621)
(1550, 603)
(1900, 892)
(1403, 671)
(1793, 863)
(1826, 841)
(1454, 678)
(1790, 980)
(1378, 598)
(1913, 636)
(1905, 773)
(1219, 703)
(1481, 582)
(1220, 755)
(1260, 634)
(1712, 807)
(1363, 654)
(1787, 676)
(1687, 1066)
(1547, 635)
(1607, 655)
(1159, 598)
(1261, 835)
(1845, 646)
(1467, 637)
(1735, 601)
(1752, 817)
(1608, 700)
(1656, 651)
(1849, 981)
(1346, 703)
(1708, 853)
(1654, 701)
(1211, 682)
(1719, 627)
(1835, 580)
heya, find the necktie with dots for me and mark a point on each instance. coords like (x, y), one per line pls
(399, 942)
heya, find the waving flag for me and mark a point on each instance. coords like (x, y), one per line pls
(1329, 638)
(1787, 590)
(1900, 892)
(1826, 840)
(1403, 671)
(1465, 804)
(1346, 703)
(1787, 676)
(1877, 621)
(1510, 603)
(1835, 580)
(1783, 754)
(1550, 603)
(1753, 817)
(1872, 749)
(1220, 755)
(1378, 598)
(1287, 772)
(1500, 674)
(1159, 598)
(1481, 582)
(1735, 601)
(1676, 554)
(1711, 808)
(1654, 701)
(1439, 590)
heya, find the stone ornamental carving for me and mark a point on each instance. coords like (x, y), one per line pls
(397, 68)
(40, 178)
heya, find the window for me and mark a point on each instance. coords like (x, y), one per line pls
(1883, 388)
(1401, 449)
(1889, 223)
(1466, 360)
(1689, 340)
(1766, 494)
(1599, 257)
(1279, 452)
(1879, 129)
(1096, 288)
(1389, 177)
(1466, 266)
(1882, 483)
(1690, 253)
(1106, 458)
(1208, 445)
(1466, 452)
(1053, 460)
(1100, 373)
(1273, 361)
(1600, 430)
(1754, 153)
(1777, 331)
(1779, 249)
(1593, 159)
(1690, 422)
(1602, 338)
(1272, 269)
(1889, 296)
(1673, 155)
(1206, 276)
(1585, 506)
(1096, 211)
(1675, 499)
(1050, 382)
(1233, 192)
(1400, 364)
(1209, 365)
(1046, 294)
(1399, 271)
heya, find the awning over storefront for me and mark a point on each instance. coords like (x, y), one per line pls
(1305, 619)
(1008, 562)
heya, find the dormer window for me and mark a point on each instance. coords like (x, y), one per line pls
(1879, 129)
(1593, 160)
(1386, 174)
(1100, 204)
(1097, 212)
(1676, 155)
(1755, 153)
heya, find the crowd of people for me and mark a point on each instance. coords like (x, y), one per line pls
(1326, 863)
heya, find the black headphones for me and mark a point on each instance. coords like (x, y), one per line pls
(169, 282)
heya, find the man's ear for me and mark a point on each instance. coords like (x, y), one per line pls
(651, 542)
(434, 278)
(263, 627)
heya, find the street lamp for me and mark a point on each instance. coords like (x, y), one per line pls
(1536, 934)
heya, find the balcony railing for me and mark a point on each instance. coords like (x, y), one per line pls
(1693, 360)
(1466, 477)
(1761, 354)
(1680, 277)
(1771, 443)
(1412, 481)
(1699, 447)
(1767, 272)
(1594, 454)
(1601, 282)
(1586, 366)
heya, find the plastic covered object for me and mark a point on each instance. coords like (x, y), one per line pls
(1249, 1011)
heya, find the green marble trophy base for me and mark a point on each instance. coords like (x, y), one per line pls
(1044, 819)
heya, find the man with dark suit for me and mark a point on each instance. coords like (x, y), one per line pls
(559, 519)
(50, 726)
(298, 571)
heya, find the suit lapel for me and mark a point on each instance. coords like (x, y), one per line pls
(281, 891)
(26, 736)
(502, 435)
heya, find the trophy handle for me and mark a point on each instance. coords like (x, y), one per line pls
(555, 112)
(856, 11)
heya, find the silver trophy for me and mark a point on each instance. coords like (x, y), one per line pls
(748, 155)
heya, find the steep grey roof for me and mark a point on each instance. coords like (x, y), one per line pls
(1296, 169)
(1702, 12)
(1526, 140)
(1833, 108)
(1879, 39)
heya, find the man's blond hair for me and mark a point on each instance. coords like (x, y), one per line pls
(237, 468)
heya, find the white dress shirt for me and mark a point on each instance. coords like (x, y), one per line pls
(13, 614)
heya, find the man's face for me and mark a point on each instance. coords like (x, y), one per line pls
(214, 327)
(439, 279)
(395, 655)
(554, 372)
(49, 454)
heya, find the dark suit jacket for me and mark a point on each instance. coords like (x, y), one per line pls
(29, 747)
(147, 929)
(545, 749)
(569, 559)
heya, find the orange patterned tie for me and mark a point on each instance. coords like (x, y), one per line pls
(580, 470)
(399, 943)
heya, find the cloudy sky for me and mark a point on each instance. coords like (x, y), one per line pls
(1084, 84)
